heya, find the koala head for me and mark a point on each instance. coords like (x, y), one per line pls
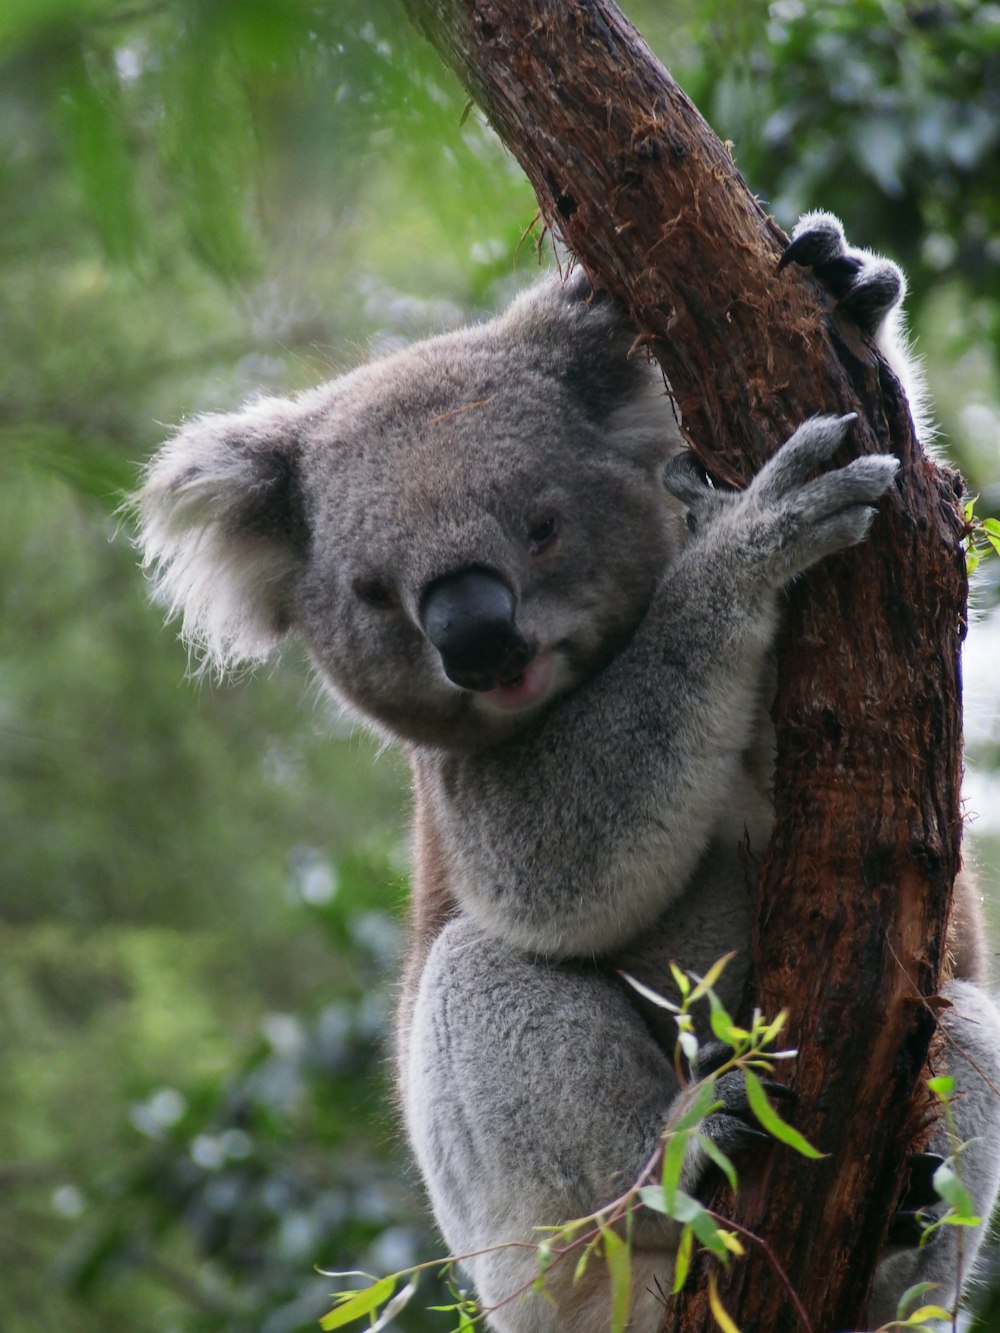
(459, 532)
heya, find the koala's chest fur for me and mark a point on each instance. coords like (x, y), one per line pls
(709, 916)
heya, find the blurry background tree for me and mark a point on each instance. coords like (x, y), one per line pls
(200, 886)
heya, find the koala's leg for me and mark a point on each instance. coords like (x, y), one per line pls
(972, 1056)
(535, 1094)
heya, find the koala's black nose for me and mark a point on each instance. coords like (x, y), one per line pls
(469, 618)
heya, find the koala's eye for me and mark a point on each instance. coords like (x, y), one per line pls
(542, 533)
(375, 593)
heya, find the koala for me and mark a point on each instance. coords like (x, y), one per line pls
(500, 554)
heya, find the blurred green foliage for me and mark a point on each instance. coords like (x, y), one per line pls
(201, 885)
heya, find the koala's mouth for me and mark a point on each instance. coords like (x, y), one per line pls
(528, 688)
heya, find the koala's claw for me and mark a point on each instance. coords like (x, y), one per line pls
(733, 1127)
(864, 287)
(712, 1055)
(817, 239)
(733, 1135)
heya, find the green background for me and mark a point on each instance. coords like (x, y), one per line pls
(201, 883)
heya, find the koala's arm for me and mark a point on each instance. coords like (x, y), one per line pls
(573, 839)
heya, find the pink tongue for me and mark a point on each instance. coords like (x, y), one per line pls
(530, 685)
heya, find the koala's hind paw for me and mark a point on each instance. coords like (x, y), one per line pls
(865, 287)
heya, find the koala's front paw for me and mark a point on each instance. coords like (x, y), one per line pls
(733, 1127)
(788, 518)
(865, 286)
(794, 521)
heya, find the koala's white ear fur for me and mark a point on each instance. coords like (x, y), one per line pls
(222, 532)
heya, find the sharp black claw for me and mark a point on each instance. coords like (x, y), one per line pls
(732, 1133)
(779, 1090)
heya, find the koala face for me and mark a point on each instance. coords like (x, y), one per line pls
(459, 532)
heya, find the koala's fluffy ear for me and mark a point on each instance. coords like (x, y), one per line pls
(584, 340)
(581, 337)
(222, 529)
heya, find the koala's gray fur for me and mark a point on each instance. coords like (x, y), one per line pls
(582, 792)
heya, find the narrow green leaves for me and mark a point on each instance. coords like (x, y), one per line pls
(773, 1122)
(617, 1255)
(983, 536)
(351, 1305)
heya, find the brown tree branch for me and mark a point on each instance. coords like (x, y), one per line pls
(856, 886)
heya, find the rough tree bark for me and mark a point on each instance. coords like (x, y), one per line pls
(856, 885)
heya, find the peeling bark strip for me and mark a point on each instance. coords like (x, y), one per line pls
(857, 881)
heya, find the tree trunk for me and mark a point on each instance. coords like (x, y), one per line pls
(856, 886)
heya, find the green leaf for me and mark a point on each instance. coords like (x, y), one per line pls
(702, 1104)
(681, 980)
(584, 1259)
(543, 1257)
(732, 1242)
(942, 1086)
(948, 1187)
(651, 1196)
(720, 1159)
(971, 560)
(771, 1031)
(912, 1294)
(353, 1305)
(723, 1025)
(619, 1261)
(682, 1263)
(206, 137)
(773, 1122)
(706, 982)
(689, 1212)
(992, 525)
(673, 1165)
